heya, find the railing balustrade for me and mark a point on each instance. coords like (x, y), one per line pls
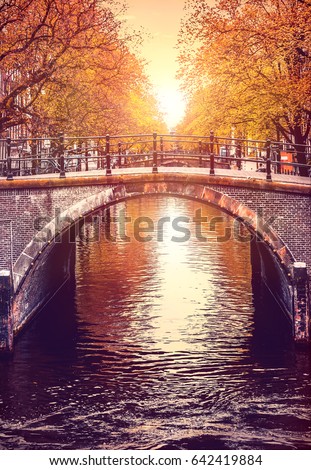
(65, 154)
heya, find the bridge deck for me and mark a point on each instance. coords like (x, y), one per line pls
(220, 172)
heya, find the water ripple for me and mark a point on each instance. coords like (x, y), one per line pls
(155, 347)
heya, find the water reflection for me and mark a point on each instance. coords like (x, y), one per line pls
(155, 347)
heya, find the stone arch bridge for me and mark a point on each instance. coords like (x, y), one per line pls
(37, 211)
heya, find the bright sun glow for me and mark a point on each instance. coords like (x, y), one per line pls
(161, 21)
(172, 104)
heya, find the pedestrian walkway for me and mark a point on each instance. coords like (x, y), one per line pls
(234, 174)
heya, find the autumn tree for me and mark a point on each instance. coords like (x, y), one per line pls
(34, 36)
(65, 65)
(247, 64)
(99, 96)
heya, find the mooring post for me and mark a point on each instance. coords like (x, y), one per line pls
(301, 303)
(6, 320)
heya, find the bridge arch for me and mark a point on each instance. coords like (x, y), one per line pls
(31, 265)
(48, 234)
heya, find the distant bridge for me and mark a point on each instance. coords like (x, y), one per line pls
(38, 210)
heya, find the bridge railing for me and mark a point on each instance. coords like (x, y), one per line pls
(64, 154)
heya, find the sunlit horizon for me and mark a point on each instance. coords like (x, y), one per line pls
(160, 21)
(172, 105)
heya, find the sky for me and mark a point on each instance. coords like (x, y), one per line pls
(161, 20)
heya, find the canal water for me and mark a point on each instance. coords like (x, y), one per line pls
(157, 344)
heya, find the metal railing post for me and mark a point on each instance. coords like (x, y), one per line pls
(108, 156)
(86, 154)
(79, 156)
(162, 149)
(119, 154)
(34, 159)
(61, 156)
(278, 159)
(19, 150)
(212, 155)
(100, 163)
(9, 176)
(155, 154)
(239, 155)
(268, 162)
(102, 157)
(200, 154)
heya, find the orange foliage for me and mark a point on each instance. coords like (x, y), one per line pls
(248, 64)
(67, 66)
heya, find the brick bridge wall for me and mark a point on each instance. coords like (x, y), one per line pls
(20, 208)
(288, 210)
(290, 214)
(28, 209)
